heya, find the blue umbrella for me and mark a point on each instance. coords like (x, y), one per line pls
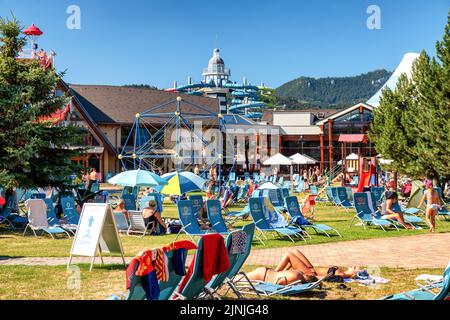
(181, 182)
(137, 178)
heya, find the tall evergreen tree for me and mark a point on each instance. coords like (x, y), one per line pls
(32, 153)
(412, 125)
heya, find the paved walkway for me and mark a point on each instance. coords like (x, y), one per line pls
(411, 252)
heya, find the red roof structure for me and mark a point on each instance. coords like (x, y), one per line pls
(33, 31)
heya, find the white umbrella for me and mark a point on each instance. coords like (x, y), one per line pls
(278, 160)
(302, 159)
(268, 186)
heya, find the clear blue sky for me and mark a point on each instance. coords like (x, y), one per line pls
(157, 42)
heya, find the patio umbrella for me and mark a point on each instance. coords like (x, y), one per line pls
(32, 31)
(302, 159)
(179, 183)
(268, 186)
(278, 160)
(137, 178)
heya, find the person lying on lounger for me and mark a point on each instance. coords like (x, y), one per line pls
(295, 267)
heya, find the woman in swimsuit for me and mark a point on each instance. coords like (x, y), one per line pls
(433, 205)
(152, 215)
(295, 267)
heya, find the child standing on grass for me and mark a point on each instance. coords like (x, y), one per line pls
(433, 204)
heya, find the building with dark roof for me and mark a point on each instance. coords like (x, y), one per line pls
(107, 113)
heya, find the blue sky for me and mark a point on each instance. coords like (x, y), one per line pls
(158, 42)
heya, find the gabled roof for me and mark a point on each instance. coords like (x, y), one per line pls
(344, 112)
(119, 105)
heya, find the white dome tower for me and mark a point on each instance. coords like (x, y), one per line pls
(216, 73)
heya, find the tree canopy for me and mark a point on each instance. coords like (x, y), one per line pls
(412, 124)
(33, 153)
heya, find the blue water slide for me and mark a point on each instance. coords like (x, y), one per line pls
(254, 115)
(193, 86)
(240, 86)
(247, 94)
(247, 105)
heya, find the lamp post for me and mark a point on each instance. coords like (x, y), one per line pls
(301, 141)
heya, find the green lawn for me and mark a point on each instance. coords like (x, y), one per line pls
(15, 245)
(34, 282)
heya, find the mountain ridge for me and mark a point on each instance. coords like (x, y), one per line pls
(330, 92)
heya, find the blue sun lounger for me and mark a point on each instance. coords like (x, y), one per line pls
(12, 219)
(70, 213)
(197, 202)
(130, 201)
(342, 198)
(258, 211)
(236, 262)
(409, 218)
(166, 289)
(276, 198)
(188, 220)
(293, 209)
(426, 292)
(366, 215)
(296, 288)
(214, 212)
(196, 285)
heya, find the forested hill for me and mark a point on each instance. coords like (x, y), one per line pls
(337, 92)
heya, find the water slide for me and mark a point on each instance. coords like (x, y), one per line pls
(365, 176)
(245, 97)
(250, 104)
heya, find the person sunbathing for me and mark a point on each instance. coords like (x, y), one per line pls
(295, 267)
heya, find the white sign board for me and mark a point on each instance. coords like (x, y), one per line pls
(96, 231)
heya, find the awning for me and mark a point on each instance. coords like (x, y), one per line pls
(353, 138)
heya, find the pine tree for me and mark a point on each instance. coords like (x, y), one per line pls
(412, 125)
(32, 153)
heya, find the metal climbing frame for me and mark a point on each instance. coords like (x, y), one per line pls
(147, 143)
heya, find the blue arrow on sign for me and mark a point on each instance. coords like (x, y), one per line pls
(91, 221)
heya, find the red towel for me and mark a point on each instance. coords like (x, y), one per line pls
(185, 244)
(215, 256)
(215, 259)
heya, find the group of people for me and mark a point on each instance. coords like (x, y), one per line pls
(90, 177)
(433, 205)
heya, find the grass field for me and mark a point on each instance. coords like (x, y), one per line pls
(55, 282)
(16, 245)
(35, 282)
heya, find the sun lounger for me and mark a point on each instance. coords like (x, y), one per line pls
(138, 225)
(296, 288)
(293, 209)
(37, 219)
(258, 213)
(236, 262)
(188, 219)
(367, 216)
(214, 212)
(121, 222)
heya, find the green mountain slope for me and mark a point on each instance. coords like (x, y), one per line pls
(336, 92)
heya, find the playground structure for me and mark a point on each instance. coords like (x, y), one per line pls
(243, 99)
(160, 134)
(45, 59)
